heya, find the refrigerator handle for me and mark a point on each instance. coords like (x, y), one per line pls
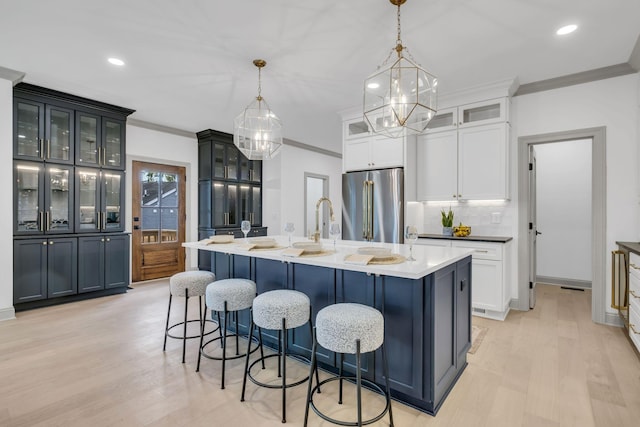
(365, 207)
(371, 210)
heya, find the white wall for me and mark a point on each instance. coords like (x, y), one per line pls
(6, 195)
(160, 147)
(283, 187)
(564, 209)
(612, 103)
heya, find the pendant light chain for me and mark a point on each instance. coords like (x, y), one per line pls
(259, 84)
(399, 39)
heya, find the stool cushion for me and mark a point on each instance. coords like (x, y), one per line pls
(238, 293)
(338, 326)
(271, 307)
(195, 281)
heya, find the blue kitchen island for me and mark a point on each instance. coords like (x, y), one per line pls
(426, 306)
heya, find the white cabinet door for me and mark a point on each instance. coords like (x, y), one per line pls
(437, 166)
(482, 113)
(482, 162)
(387, 152)
(486, 284)
(356, 155)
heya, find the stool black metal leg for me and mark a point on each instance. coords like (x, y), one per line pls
(224, 343)
(284, 370)
(279, 353)
(312, 368)
(184, 336)
(219, 327)
(340, 380)
(246, 363)
(237, 332)
(311, 330)
(261, 349)
(166, 328)
(200, 346)
(385, 366)
(200, 309)
(358, 384)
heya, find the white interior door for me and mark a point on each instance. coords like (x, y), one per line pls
(533, 227)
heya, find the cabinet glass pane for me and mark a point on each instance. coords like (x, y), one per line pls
(485, 112)
(113, 144)
(28, 178)
(256, 205)
(88, 194)
(59, 141)
(232, 204)
(256, 171)
(28, 130)
(245, 169)
(59, 199)
(150, 224)
(204, 204)
(357, 128)
(219, 161)
(441, 120)
(88, 140)
(219, 208)
(233, 155)
(245, 203)
(112, 199)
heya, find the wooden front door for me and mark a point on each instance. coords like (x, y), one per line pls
(158, 220)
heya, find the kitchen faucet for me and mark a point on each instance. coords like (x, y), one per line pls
(316, 235)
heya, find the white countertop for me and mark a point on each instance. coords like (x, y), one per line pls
(428, 258)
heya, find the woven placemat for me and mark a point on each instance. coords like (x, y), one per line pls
(323, 252)
(273, 248)
(395, 259)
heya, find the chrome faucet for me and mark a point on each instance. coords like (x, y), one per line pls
(316, 235)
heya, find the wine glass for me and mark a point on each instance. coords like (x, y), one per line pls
(334, 232)
(289, 229)
(411, 236)
(245, 226)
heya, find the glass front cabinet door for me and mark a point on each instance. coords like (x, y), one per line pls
(100, 141)
(43, 198)
(99, 200)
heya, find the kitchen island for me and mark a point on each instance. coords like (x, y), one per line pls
(426, 306)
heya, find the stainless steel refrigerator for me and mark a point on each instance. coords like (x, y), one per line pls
(373, 205)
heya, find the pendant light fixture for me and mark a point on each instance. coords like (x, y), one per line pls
(400, 97)
(257, 131)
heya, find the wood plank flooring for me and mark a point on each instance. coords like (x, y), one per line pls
(100, 363)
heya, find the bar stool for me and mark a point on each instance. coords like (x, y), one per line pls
(349, 329)
(187, 284)
(279, 310)
(228, 296)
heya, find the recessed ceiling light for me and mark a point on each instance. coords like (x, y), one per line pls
(373, 85)
(116, 61)
(566, 29)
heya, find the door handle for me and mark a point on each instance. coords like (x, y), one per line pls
(538, 232)
(463, 282)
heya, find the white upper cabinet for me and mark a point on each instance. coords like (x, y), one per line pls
(467, 160)
(355, 128)
(374, 152)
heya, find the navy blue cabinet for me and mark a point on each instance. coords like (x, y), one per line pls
(103, 262)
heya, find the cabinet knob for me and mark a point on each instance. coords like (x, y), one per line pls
(102, 240)
(108, 239)
(454, 196)
(51, 242)
(459, 195)
(44, 243)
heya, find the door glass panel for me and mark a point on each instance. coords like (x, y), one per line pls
(28, 178)
(256, 205)
(245, 203)
(169, 208)
(59, 199)
(28, 131)
(232, 197)
(112, 199)
(219, 209)
(218, 161)
(59, 135)
(150, 203)
(88, 194)
(113, 144)
(233, 155)
(88, 146)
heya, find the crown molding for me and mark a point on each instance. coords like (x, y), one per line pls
(14, 76)
(161, 128)
(634, 59)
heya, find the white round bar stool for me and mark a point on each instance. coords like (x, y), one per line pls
(280, 310)
(228, 296)
(349, 328)
(187, 284)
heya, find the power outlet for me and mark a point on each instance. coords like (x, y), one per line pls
(496, 218)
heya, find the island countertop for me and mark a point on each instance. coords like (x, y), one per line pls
(428, 259)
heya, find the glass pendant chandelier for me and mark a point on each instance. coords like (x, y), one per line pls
(400, 97)
(257, 131)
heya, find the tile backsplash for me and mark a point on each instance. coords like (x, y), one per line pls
(485, 218)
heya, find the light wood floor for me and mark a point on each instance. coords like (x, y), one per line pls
(100, 363)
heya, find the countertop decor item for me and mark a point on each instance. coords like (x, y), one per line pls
(257, 131)
(447, 222)
(400, 96)
(461, 230)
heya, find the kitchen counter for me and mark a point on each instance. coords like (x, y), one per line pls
(426, 306)
(630, 246)
(497, 239)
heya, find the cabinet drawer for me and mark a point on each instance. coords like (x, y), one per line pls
(634, 326)
(634, 265)
(481, 250)
(634, 290)
(434, 242)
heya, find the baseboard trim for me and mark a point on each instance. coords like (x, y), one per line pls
(571, 283)
(7, 313)
(612, 319)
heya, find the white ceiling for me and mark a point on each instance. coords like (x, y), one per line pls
(189, 62)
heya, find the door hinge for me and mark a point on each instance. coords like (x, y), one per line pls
(530, 285)
(530, 166)
(530, 226)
